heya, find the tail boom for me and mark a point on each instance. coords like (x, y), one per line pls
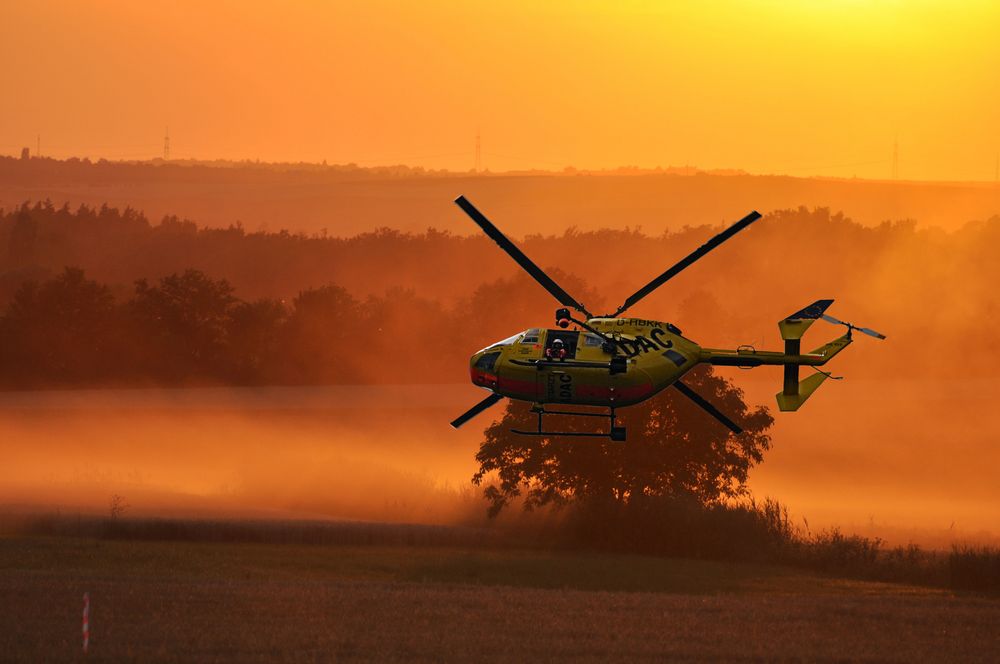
(791, 357)
(794, 392)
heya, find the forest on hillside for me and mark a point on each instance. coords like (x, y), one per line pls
(349, 200)
(104, 296)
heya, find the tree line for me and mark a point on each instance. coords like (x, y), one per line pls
(924, 287)
(188, 328)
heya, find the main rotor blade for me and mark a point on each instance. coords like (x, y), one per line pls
(707, 407)
(545, 280)
(475, 410)
(686, 262)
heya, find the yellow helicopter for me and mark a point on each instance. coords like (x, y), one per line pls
(611, 362)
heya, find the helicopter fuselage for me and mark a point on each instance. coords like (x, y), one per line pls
(653, 355)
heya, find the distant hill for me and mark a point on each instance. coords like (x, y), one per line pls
(347, 200)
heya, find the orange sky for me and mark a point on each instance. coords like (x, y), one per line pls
(804, 87)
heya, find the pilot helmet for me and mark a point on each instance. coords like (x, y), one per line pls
(557, 342)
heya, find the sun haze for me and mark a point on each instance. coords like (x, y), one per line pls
(805, 88)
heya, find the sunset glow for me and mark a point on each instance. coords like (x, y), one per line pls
(803, 88)
(256, 258)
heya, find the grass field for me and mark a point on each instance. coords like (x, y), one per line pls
(238, 601)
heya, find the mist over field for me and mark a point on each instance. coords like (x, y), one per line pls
(911, 465)
(353, 452)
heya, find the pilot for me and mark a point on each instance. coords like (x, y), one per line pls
(557, 351)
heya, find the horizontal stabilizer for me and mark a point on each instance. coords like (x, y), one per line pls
(828, 350)
(787, 402)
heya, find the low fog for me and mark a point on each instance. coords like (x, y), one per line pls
(344, 452)
(886, 458)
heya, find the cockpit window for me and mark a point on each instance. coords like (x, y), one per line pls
(531, 336)
(487, 361)
(509, 340)
(592, 340)
(506, 342)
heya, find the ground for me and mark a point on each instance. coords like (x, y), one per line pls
(232, 601)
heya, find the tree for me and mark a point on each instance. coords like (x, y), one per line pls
(185, 320)
(59, 331)
(23, 238)
(319, 339)
(254, 339)
(674, 449)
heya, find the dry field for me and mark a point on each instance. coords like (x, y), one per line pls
(229, 601)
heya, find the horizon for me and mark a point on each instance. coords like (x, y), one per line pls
(687, 170)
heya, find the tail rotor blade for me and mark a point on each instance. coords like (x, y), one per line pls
(475, 410)
(707, 407)
(687, 261)
(872, 333)
(850, 326)
(536, 272)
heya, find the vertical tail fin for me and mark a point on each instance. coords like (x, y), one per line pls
(793, 393)
(802, 391)
(793, 327)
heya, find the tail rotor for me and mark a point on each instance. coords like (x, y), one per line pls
(794, 392)
(851, 327)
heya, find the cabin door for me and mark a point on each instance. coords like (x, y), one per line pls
(555, 383)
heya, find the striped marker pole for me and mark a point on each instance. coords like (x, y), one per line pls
(86, 621)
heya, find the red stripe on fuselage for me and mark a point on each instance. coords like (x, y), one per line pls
(483, 379)
(529, 388)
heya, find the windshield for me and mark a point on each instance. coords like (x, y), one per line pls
(506, 342)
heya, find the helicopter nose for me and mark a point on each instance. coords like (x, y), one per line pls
(482, 367)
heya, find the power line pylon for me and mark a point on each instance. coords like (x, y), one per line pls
(166, 145)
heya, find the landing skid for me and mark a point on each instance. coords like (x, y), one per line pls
(616, 433)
